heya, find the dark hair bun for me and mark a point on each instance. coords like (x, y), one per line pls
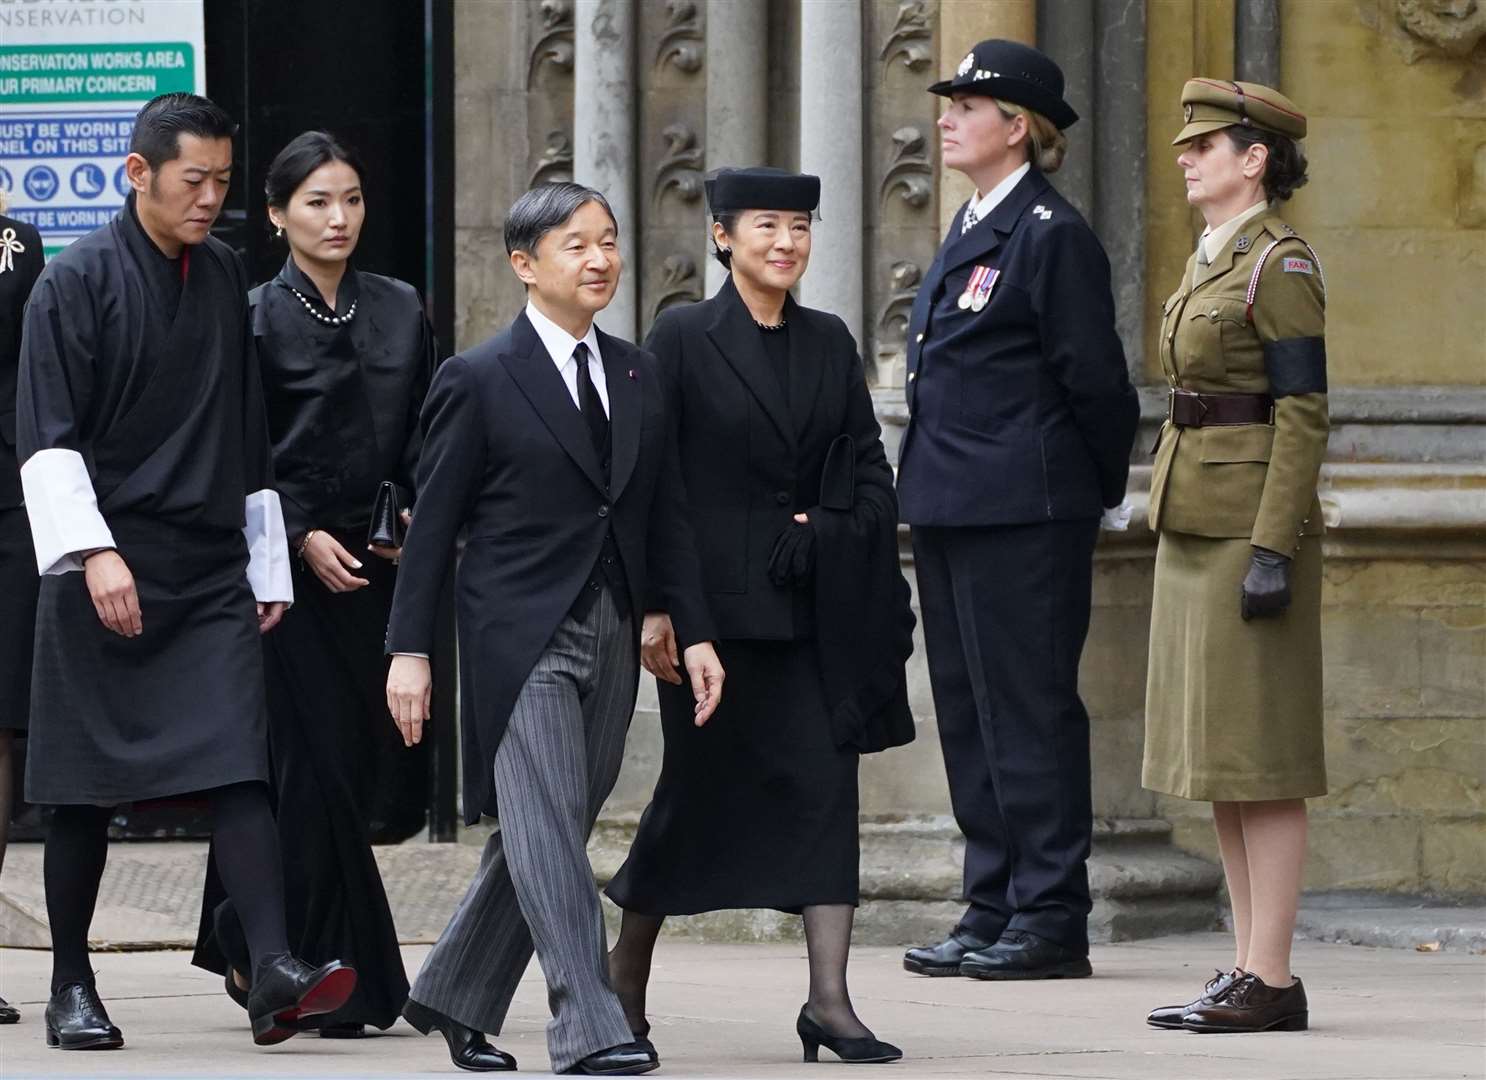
(304, 154)
(1285, 172)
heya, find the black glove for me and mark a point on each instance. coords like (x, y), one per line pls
(1266, 587)
(793, 558)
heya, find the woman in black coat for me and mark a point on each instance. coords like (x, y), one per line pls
(795, 521)
(21, 260)
(346, 358)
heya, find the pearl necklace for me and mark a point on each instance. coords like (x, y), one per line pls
(328, 320)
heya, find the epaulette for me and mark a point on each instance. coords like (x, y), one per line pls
(1284, 231)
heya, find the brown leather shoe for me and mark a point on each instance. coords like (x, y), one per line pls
(1170, 1016)
(1250, 1004)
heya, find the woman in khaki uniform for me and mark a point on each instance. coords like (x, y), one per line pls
(1233, 702)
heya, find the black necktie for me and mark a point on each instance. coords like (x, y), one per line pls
(589, 403)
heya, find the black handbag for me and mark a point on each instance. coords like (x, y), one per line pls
(387, 529)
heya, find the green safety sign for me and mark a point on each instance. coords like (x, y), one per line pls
(52, 74)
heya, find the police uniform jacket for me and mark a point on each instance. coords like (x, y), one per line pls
(1022, 411)
(1251, 322)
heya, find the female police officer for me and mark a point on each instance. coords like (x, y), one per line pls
(1021, 422)
(1233, 703)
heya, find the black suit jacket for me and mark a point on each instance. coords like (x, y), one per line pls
(508, 459)
(23, 268)
(1022, 411)
(752, 456)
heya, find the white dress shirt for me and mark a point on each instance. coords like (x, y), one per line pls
(1215, 240)
(982, 206)
(560, 346)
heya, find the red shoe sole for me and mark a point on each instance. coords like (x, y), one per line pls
(327, 995)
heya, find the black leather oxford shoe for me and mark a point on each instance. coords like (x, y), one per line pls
(1170, 1016)
(77, 1020)
(1020, 954)
(944, 958)
(630, 1059)
(9, 1014)
(468, 1048)
(286, 990)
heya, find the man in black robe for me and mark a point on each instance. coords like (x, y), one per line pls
(145, 468)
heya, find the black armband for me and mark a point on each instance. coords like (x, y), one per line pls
(1296, 366)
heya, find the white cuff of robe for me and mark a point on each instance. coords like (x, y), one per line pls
(268, 549)
(63, 510)
(1117, 518)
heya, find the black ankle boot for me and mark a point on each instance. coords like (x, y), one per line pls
(468, 1048)
(868, 1050)
(285, 990)
(77, 1020)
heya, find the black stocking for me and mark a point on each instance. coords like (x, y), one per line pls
(76, 849)
(7, 789)
(828, 941)
(246, 842)
(629, 965)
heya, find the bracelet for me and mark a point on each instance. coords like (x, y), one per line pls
(305, 542)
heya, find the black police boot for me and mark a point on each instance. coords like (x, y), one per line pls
(944, 958)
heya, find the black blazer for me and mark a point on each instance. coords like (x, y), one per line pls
(23, 268)
(1023, 411)
(750, 459)
(507, 458)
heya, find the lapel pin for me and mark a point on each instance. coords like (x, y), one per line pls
(632, 374)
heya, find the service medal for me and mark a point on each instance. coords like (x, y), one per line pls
(982, 282)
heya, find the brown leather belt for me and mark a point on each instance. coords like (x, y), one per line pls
(1188, 409)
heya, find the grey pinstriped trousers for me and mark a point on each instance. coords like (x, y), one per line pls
(554, 768)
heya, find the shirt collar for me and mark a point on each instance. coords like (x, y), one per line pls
(997, 194)
(557, 341)
(1215, 240)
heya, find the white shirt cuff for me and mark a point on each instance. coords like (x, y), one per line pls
(268, 549)
(63, 510)
(419, 655)
(1117, 518)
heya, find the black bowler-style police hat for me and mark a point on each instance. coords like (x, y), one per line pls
(762, 188)
(1012, 72)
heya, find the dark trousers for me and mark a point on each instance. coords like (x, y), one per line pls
(1006, 611)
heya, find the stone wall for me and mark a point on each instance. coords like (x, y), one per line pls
(1396, 209)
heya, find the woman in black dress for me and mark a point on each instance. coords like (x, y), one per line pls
(795, 518)
(346, 358)
(21, 261)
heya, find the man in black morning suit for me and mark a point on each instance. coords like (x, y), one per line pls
(1021, 422)
(551, 448)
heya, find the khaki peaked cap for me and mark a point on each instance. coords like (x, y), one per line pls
(1213, 104)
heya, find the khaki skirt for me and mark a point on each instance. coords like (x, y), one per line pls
(1233, 709)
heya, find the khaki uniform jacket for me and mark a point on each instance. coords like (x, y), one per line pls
(1253, 480)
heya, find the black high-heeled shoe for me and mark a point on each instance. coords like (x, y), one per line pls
(868, 1050)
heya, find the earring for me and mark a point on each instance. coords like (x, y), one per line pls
(279, 232)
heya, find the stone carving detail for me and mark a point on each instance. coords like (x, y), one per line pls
(681, 43)
(892, 323)
(681, 169)
(556, 161)
(554, 47)
(1430, 28)
(678, 284)
(912, 37)
(910, 174)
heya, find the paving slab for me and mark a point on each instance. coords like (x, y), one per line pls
(728, 1011)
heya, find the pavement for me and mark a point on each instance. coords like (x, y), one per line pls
(728, 1011)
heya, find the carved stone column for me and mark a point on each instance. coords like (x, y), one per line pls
(1256, 37)
(604, 116)
(831, 147)
(1066, 31)
(737, 37)
(962, 23)
(1120, 162)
